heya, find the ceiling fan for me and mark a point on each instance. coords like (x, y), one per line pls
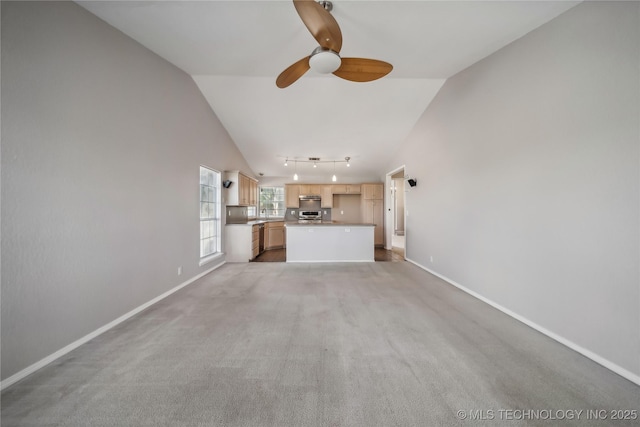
(325, 58)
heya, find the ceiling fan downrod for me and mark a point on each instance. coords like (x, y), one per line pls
(328, 6)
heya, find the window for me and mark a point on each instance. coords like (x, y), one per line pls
(209, 212)
(271, 203)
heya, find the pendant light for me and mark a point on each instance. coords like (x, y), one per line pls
(295, 175)
(334, 178)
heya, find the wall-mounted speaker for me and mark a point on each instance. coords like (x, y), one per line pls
(412, 182)
(226, 183)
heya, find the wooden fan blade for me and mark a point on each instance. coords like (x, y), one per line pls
(362, 69)
(320, 23)
(293, 73)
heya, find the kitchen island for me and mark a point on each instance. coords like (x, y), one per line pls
(330, 241)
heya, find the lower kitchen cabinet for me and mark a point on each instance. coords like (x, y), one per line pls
(255, 241)
(242, 242)
(274, 235)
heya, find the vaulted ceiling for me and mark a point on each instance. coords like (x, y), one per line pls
(235, 50)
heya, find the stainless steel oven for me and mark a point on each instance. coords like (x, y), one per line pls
(310, 208)
(309, 215)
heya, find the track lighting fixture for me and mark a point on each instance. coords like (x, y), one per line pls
(316, 161)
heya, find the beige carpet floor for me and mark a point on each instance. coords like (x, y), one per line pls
(275, 344)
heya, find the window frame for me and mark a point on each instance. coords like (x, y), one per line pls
(216, 217)
(260, 208)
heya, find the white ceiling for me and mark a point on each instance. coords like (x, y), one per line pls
(235, 50)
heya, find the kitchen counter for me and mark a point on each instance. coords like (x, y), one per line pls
(257, 221)
(330, 241)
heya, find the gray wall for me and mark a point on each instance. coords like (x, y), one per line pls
(101, 145)
(528, 180)
(347, 207)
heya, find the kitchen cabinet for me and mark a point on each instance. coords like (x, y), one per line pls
(242, 242)
(347, 188)
(253, 193)
(304, 189)
(274, 235)
(255, 241)
(315, 190)
(294, 191)
(373, 191)
(243, 190)
(292, 195)
(327, 196)
(373, 212)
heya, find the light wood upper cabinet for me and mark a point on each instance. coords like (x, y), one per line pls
(243, 190)
(253, 193)
(372, 191)
(347, 188)
(327, 196)
(310, 189)
(315, 190)
(292, 195)
(294, 191)
(326, 192)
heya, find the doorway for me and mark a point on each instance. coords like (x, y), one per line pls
(395, 221)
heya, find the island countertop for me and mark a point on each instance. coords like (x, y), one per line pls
(327, 223)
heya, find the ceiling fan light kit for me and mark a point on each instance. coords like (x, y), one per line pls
(324, 61)
(326, 58)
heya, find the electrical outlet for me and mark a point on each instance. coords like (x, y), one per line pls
(179, 270)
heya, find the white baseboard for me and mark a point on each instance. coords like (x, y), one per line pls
(585, 352)
(43, 362)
